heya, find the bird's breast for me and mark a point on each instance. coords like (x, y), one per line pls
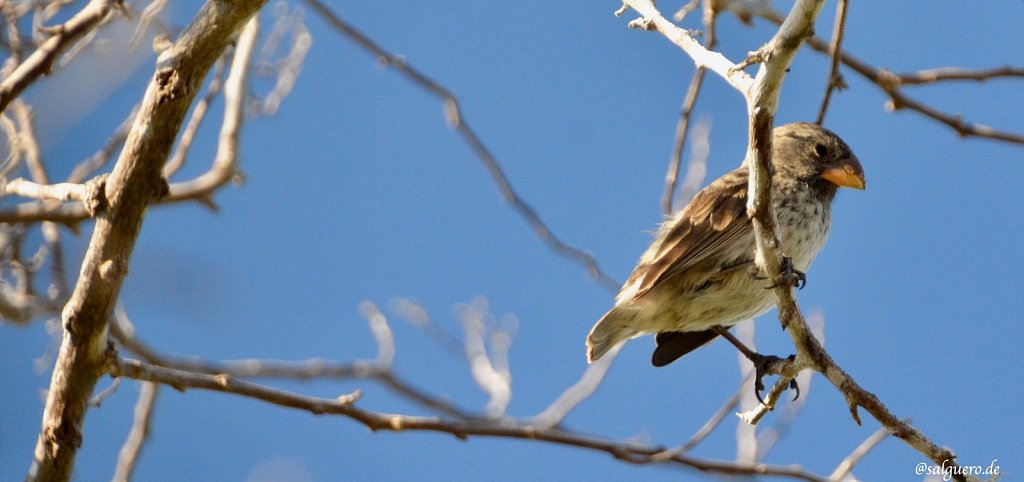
(803, 223)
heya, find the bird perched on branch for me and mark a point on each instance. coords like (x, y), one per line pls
(700, 273)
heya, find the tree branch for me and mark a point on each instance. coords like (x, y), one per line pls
(345, 405)
(762, 100)
(453, 114)
(135, 183)
(835, 79)
(129, 453)
(890, 83)
(652, 19)
(683, 125)
(62, 37)
(122, 330)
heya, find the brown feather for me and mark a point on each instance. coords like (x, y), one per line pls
(716, 216)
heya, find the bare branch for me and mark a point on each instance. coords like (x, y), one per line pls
(495, 383)
(890, 83)
(188, 134)
(135, 183)
(683, 126)
(129, 453)
(457, 121)
(793, 31)
(344, 405)
(414, 313)
(90, 193)
(181, 380)
(651, 19)
(762, 100)
(123, 331)
(835, 79)
(577, 393)
(953, 73)
(146, 18)
(61, 38)
(715, 420)
(682, 129)
(97, 160)
(225, 161)
(697, 165)
(846, 466)
(381, 333)
(288, 68)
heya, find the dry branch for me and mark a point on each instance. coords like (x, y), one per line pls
(456, 120)
(61, 38)
(135, 183)
(762, 99)
(345, 405)
(890, 83)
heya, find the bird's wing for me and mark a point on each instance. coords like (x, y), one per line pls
(716, 217)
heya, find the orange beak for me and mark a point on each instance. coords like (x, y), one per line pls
(846, 174)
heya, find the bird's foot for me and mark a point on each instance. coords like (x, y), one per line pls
(789, 276)
(763, 365)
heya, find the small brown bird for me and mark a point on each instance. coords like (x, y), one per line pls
(700, 272)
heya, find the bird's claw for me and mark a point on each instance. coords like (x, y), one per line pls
(789, 276)
(761, 364)
(795, 387)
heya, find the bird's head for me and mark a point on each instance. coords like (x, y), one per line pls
(815, 155)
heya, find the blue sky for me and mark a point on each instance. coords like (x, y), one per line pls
(356, 190)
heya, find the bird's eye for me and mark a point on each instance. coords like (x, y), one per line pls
(821, 150)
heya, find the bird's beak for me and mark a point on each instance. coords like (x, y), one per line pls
(846, 173)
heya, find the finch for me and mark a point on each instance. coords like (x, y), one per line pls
(700, 271)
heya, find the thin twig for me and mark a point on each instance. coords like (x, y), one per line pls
(697, 164)
(652, 19)
(846, 466)
(129, 453)
(932, 76)
(553, 415)
(182, 380)
(195, 120)
(683, 125)
(495, 383)
(456, 120)
(123, 331)
(416, 314)
(146, 18)
(890, 83)
(835, 79)
(97, 160)
(714, 421)
(225, 161)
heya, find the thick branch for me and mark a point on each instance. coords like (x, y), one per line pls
(135, 183)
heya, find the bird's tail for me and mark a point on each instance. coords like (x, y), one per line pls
(616, 326)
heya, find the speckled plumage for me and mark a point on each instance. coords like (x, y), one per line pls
(699, 271)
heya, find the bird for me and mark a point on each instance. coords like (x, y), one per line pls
(699, 275)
